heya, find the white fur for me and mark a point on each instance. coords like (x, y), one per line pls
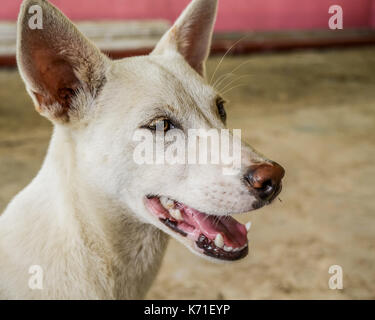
(82, 218)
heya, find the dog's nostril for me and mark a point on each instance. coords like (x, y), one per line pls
(267, 191)
(267, 186)
(264, 180)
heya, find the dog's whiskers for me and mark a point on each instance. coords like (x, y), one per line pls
(222, 59)
(240, 65)
(222, 78)
(230, 89)
(234, 81)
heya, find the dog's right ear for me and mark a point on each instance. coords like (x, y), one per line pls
(56, 62)
(191, 35)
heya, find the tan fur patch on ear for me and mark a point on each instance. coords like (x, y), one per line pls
(36, 105)
(173, 33)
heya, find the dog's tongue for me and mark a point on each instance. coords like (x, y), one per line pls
(233, 232)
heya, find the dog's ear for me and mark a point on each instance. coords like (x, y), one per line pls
(191, 35)
(56, 62)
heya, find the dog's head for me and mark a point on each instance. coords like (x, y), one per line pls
(102, 104)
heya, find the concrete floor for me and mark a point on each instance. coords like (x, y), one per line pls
(314, 112)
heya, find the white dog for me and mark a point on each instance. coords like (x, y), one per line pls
(94, 221)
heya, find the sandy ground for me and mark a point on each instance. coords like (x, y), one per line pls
(314, 112)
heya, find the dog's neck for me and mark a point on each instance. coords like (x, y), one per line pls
(120, 252)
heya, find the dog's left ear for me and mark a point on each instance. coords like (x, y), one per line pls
(191, 35)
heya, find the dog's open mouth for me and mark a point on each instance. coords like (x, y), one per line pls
(220, 237)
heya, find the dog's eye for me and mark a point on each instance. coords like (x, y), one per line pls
(220, 107)
(161, 124)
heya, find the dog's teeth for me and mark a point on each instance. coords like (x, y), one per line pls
(228, 249)
(163, 201)
(167, 203)
(219, 241)
(248, 226)
(236, 249)
(176, 213)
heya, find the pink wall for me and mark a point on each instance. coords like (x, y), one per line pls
(233, 14)
(372, 18)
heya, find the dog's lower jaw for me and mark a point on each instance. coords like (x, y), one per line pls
(85, 248)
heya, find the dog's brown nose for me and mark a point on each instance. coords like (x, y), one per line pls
(265, 180)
